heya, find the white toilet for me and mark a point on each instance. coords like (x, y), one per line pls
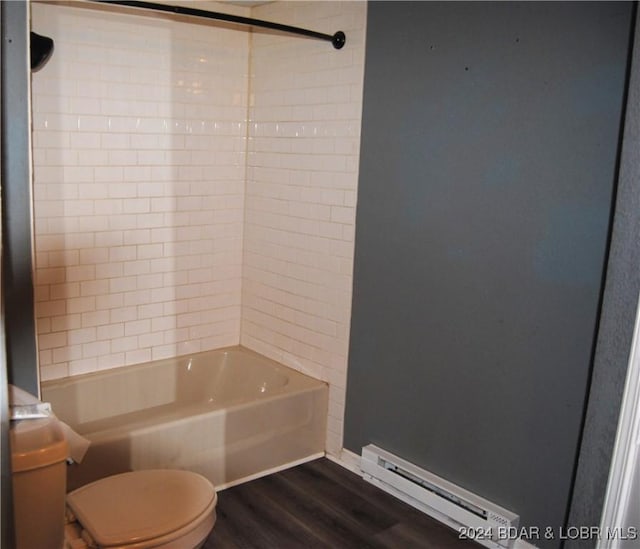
(166, 509)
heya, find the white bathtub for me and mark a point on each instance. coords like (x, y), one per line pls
(229, 414)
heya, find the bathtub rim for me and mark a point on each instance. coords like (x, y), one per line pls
(115, 425)
(61, 381)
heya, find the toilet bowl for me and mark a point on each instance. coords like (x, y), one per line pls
(165, 509)
(162, 508)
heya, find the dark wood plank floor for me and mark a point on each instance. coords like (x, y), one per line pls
(322, 505)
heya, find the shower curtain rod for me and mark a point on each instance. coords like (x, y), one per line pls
(338, 39)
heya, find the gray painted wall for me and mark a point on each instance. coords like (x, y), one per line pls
(615, 334)
(16, 200)
(15, 151)
(488, 159)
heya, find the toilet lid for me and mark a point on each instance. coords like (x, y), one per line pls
(140, 505)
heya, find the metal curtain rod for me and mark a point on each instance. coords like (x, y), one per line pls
(338, 39)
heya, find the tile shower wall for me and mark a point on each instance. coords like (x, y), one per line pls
(304, 135)
(140, 153)
(139, 143)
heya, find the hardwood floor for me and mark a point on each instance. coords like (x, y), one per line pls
(322, 505)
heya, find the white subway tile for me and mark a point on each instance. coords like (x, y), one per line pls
(137, 297)
(67, 353)
(109, 361)
(110, 331)
(109, 270)
(78, 273)
(137, 236)
(164, 351)
(183, 274)
(65, 322)
(91, 224)
(83, 366)
(80, 336)
(95, 349)
(81, 304)
(94, 287)
(124, 344)
(123, 314)
(52, 340)
(122, 190)
(137, 327)
(150, 340)
(115, 141)
(95, 318)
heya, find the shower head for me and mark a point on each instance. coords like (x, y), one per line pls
(41, 50)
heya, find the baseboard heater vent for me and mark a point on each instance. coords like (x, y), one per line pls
(469, 514)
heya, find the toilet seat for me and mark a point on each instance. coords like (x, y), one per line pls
(144, 509)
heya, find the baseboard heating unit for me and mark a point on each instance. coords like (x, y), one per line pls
(474, 517)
